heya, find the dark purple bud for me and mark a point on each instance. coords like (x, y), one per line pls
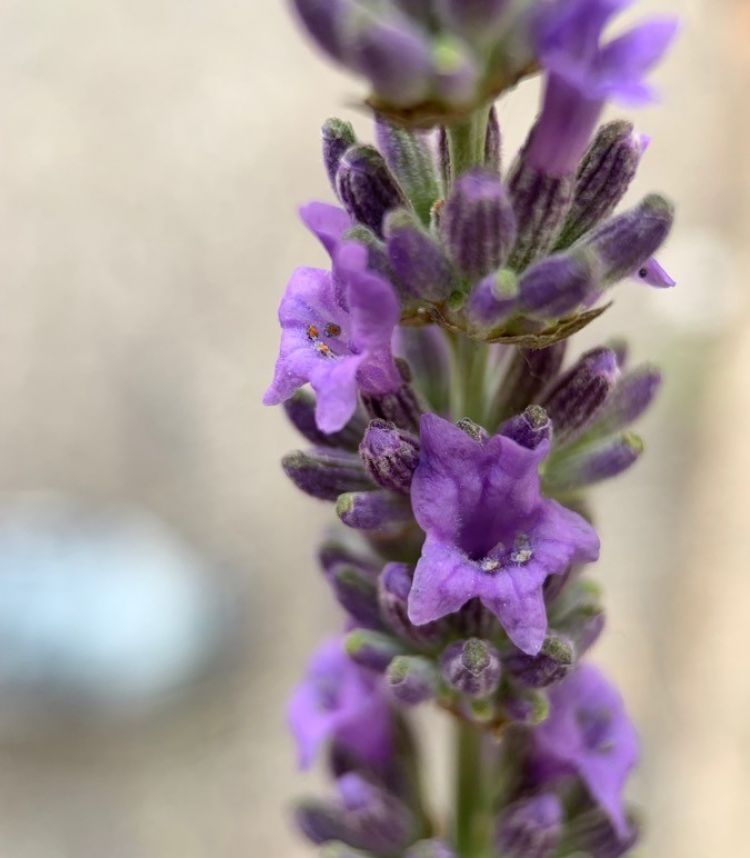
(401, 407)
(541, 203)
(652, 274)
(529, 429)
(628, 241)
(410, 158)
(412, 679)
(367, 187)
(325, 474)
(578, 396)
(529, 373)
(593, 463)
(356, 590)
(377, 255)
(477, 223)
(371, 649)
(493, 300)
(300, 409)
(396, 56)
(531, 827)
(334, 552)
(417, 259)
(426, 351)
(493, 143)
(378, 820)
(338, 136)
(553, 663)
(430, 849)
(320, 822)
(631, 398)
(474, 18)
(558, 285)
(592, 834)
(390, 455)
(604, 176)
(455, 71)
(382, 510)
(472, 667)
(393, 591)
(324, 19)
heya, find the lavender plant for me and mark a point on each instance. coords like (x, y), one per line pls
(456, 445)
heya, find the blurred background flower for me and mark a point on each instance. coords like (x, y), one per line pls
(152, 159)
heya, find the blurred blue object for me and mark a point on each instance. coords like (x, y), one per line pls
(100, 607)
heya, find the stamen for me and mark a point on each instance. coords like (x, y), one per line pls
(312, 332)
(332, 330)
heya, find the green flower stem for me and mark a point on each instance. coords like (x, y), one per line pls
(474, 771)
(466, 141)
(468, 382)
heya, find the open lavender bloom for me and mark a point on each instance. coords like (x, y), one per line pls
(588, 733)
(340, 701)
(455, 430)
(490, 533)
(336, 336)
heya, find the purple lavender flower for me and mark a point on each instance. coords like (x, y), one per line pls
(588, 733)
(338, 700)
(336, 336)
(490, 533)
(583, 75)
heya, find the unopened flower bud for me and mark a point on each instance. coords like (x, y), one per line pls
(529, 429)
(401, 407)
(553, 663)
(377, 255)
(367, 187)
(529, 373)
(530, 827)
(592, 833)
(455, 71)
(338, 136)
(472, 667)
(581, 615)
(381, 510)
(300, 409)
(594, 462)
(320, 822)
(325, 474)
(430, 849)
(379, 821)
(524, 705)
(416, 258)
(356, 591)
(558, 285)
(372, 650)
(541, 203)
(395, 56)
(478, 224)
(426, 351)
(324, 21)
(412, 163)
(394, 587)
(578, 396)
(632, 396)
(390, 455)
(604, 176)
(625, 243)
(411, 679)
(493, 300)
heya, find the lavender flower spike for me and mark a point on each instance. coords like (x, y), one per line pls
(583, 75)
(490, 533)
(339, 700)
(336, 335)
(589, 733)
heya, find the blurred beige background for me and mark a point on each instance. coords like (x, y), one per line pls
(152, 154)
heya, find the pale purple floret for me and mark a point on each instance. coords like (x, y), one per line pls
(583, 75)
(341, 702)
(653, 274)
(588, 733)
(336, 333)
(490, 533)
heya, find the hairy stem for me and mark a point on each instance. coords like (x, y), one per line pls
(466, 142)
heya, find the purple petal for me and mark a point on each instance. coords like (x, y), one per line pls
(335, 385)
(654, 275)
(562, 537)
(444, 581)
(328, 223)
(516, 596)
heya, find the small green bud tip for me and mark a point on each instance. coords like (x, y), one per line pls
(539, 709)
(475, 656)
(345, 504)
(505, 285)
